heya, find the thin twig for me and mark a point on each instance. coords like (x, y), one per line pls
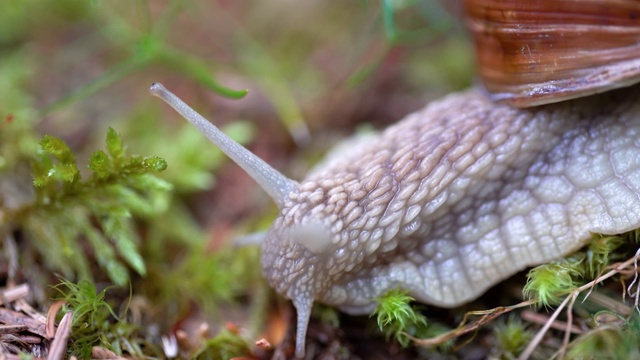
(12, 329)
(536, 339)
(59, 344)
(487, 316)
(13, 294)
(51, 318)
(567, 332)
(23, 305)
(11, 252)
(635, 295)
(11, 317)
(541, 319)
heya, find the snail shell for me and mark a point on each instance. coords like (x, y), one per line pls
(538, 52)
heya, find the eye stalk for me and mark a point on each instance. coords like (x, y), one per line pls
(271, 180)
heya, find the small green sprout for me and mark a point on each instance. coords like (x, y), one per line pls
(95, 323)
(601, 252)
(397, 318)
(512, 337)
(549, 282)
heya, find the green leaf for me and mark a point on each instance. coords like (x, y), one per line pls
(114, 144)
(199, 71)
(149, 182)
(154, 163)
(98, 210)
(100, 164)
(57, 148)
(125, 242)
(106, 257)
(549, 282)
(65, 172)
(131, 199)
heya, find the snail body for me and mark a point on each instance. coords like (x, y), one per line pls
(453, 198)
(450, 200)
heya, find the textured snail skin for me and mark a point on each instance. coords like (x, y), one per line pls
(455, 198)
(448, 201)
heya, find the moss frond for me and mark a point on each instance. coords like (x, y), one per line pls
(99, 209)
(512, 336)
(601, 253)
(549, 282)
(396, 317)
(95, 323)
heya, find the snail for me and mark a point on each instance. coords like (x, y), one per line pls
(469, 190)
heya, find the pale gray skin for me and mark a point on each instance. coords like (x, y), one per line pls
(450, 200)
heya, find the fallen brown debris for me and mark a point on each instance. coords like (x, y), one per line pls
(23, 330)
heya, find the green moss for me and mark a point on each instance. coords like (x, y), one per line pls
(96, 324)
(549, 283)
(192, 157)
(207, 278)
(603, 250)
(225, 345)
(512, 336)
(397, 318)
(68, 210)
(326, 314)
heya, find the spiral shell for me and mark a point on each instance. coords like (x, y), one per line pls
(538, 52)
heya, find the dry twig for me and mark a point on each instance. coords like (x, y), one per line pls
(487, 316)
(58, 346)
(13, 294)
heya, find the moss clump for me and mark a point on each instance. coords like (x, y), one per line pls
(397, 318)
(70, 213)
(511, 336)
(96, 324)
(549, 283)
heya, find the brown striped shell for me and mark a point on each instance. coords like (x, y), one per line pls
(538, 52)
